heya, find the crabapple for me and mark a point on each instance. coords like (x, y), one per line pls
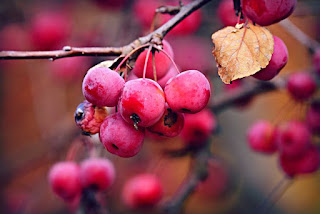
(64, 179)
(226, 13)
(171, 73)
(102, 86)
(278, 60)
(293, 138)
(188, 92)
(198, 127)
(308, 162)
(97, 173)
(169, 125)
(143, 190)
(301, 86)
(313, 117)
(261, 137)
(267, 12)
(142, 102)
(162, 62)
(119, 137)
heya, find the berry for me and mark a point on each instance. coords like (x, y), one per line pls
(198, 127)
(188, 92)
(313, 117)
(278, 60)
(64, 179)
(261, 137)
(143, 190)
(301, 86)
(226, 13)
(308, 162)
(49, 29)
(119, 137)
(102, 86)
(69, 69)
(171, 73)
(267, 12)
(316, 61)
(89, 117)
(142, 102)
(162, 62)
(293, 138)
(97, 173)
(169, 125)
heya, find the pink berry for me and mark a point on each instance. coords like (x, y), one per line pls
(293, 139)
(171, 73)
(198, 127)
(313, 117)
(267, 12)
(97, 173)
(64, 179)
(49, 29)
(102, 86)
(69, 69)
(278, 60)
(162, 62)
(316, 61)
(188, 92)
(119, 137)
(301, 86)
(261, 137)
(308, 162)
(144, 190)
(226, 13)
(142, 102)
(169, 125)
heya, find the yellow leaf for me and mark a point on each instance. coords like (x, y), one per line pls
(241, 51)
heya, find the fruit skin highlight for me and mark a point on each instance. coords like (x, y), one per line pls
(267, 12)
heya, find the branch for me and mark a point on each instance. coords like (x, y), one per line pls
(156, 36)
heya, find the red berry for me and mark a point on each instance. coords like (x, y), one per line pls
(162, 63)
(119, 137)
(226, 13)
(142, 102)
(313, 117)
(97, 173)
(278, 60)
(49, 29)
(198, 127)
(169, 125)
(308, 162)
(143, 190)
(171, 73)
(267, 12)
(301, 86)
(102, 86)
(188, 92)
(316, 61)
(261, 137)
(64, 179)
(293, 139)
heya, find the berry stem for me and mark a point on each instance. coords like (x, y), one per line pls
(167, 55)
(146, 62)
(154, 66)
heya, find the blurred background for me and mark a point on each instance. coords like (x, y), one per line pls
(39, 97)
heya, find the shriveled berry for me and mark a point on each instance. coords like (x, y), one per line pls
(102, 86)
(97, 173)
(198, 127)
(188, 92)
(278, 60)
(142, 102)
(64, 179)
(301, 86)
(261, 137)
(293, 138)
(144, 190)
(119, 137)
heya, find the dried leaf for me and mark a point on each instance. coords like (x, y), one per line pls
(241, 51)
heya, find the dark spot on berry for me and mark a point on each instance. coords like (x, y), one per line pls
(136, 119)
(185, 110)
(114, 146)
(170, 118)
